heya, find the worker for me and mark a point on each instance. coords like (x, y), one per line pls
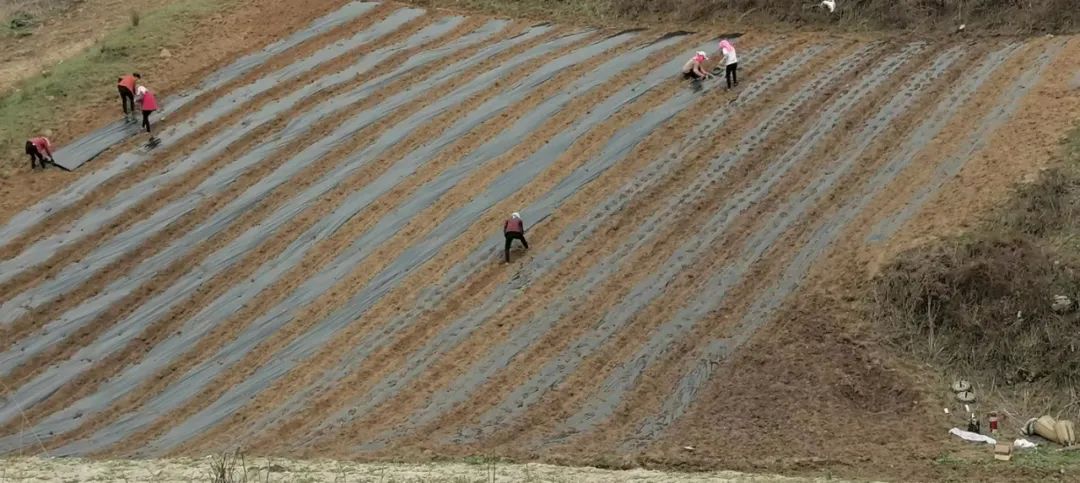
(514, 229)
(149, 104)
(39, 149)
(692, 68)
(126, 85)
(731, 63)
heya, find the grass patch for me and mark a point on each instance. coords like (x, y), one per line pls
(982, 304)
(89, 77)
(484, 460)
(1049, 459)
(22, 23)
(1045, 460)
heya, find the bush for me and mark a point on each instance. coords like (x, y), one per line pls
(22, 22)
(1046, 15)
(996, 15)
(981, 304)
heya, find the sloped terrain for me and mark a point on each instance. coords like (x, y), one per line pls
(311, 262)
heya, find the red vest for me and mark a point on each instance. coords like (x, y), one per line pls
(127, 81)
(42, 144)
(514, 225)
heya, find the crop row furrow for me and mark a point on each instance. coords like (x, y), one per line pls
(224, 258)
(536, 267)
(772, 298)
(604, 402)
(121, 287)
(274, 318)
(89, 224)
(82, 150)
(645, 292)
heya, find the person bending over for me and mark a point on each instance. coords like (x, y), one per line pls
(514, 229)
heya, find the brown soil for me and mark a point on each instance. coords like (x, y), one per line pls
(67, 28)
(814, 391)
(246, 25)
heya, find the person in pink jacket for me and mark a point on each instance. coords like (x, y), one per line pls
(40, 149)
(693, 68)
(731, 63)
(149, 104)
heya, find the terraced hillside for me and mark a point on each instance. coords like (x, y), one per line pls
(310, 262)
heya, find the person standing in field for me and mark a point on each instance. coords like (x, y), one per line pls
(514, 229)
(149, 104)
(39, 148)
(126, 85)
(731, 63)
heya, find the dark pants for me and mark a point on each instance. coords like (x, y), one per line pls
(731, 73)
(691, 75)
(35, 156)
(146, 120)
(510, 237)
(127, 99)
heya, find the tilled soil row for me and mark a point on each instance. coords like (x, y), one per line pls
(652, 276)
(1020, 86)
(50, 257)
(361, 349)
(204, 170)
(155, 306)
(826, 255)
(880, 179)
(258, 189)
(777, 283)
(920, 170)
(726, 277)
(218, 81)
(442, 342)
(393, 304)
(427, 356)
(253, 261)
(622, 78)
(346, 298)
(454, 331)
(750, 141)
(184, 138)
(305, 344)
(645, 367)
(344, 236)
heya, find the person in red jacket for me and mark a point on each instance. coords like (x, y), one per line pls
(149, 104)
(39, 149)
(514, 229)
(126, 85)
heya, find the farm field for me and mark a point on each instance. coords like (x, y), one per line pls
(310, 264)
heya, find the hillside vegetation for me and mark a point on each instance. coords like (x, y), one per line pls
(999, 16)
(989, 303)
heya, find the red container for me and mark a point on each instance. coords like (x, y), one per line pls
(993, 422)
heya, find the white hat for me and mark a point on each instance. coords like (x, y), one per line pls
(702, 53)
(515, 215)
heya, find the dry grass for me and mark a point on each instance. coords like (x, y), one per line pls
(981, 304)
(31, 108)
(263, 470)
(999, 16)
(23, 15)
